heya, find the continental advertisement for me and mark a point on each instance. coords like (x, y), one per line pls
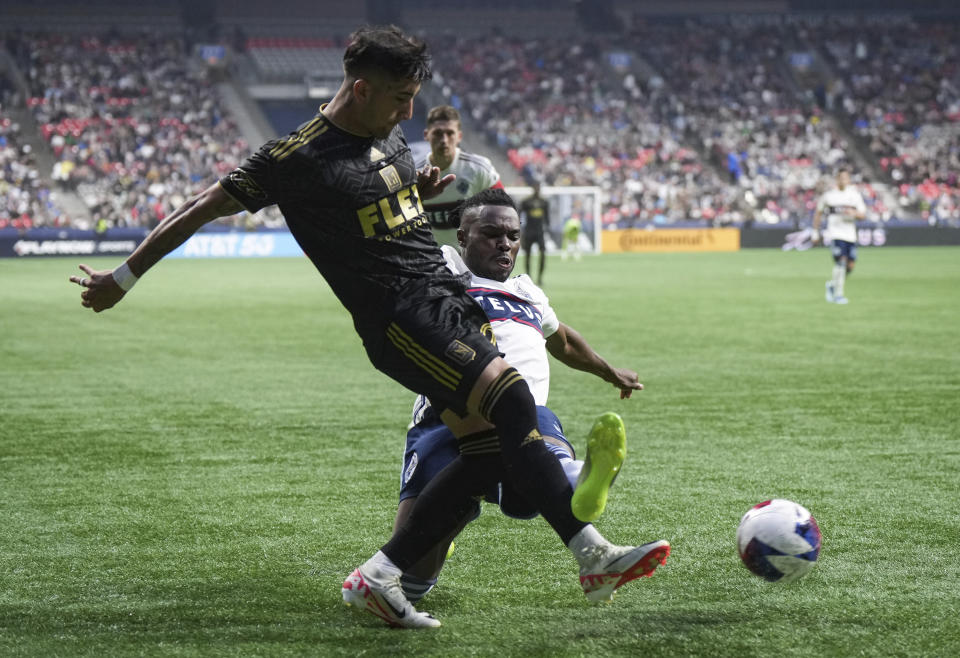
(671, 240)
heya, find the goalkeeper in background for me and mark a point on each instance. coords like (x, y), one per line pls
(571, 239)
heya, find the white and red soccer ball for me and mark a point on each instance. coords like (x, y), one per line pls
(778, 540)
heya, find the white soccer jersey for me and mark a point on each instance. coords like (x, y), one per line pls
(521, 317)
(474, 173)
(833, 204)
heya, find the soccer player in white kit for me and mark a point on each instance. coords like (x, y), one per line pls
(843, 206)
(474, 173)
(526, 329)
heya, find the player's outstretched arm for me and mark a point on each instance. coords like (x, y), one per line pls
(104, 288)
(572, 350)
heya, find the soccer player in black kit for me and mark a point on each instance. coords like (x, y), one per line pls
(535, 215)
(347, 186)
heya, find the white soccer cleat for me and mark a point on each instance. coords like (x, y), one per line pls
(605, 568)
(828, 294)
(381, 595)
(841, 300)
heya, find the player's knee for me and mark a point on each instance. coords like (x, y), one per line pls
(508, 403)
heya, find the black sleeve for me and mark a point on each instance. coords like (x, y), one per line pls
(256, 183)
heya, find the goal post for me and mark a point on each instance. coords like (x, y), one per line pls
(583, 202)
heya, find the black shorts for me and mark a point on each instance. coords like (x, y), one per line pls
(533, 238)
(437, 342)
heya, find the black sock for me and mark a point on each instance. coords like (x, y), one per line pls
(446, 501)
(530, 468)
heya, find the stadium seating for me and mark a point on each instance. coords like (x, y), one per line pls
(135, 123)
(726, 133)
(26, 201)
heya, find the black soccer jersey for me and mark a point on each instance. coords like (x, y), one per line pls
(353, 206)
(536, 215)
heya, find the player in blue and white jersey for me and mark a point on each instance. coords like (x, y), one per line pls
(526, 329)
(474, 172)
(843, 206)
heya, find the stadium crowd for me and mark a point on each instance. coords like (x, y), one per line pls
(721, 134)
(727, 133)
(899, 90)
(25, 199)
(135, 128)
(564, 116)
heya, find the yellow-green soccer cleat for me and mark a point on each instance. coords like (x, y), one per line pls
(606, 450)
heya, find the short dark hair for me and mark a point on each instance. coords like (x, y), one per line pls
(386, 49)
(490, 197)
(443, 113)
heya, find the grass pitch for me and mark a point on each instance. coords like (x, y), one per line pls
(194, 472)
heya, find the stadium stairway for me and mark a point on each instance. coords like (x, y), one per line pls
(859, 150)
(251, 121)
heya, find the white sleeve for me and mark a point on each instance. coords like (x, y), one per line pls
(550, 322)
(488, 176)
(454, 261)
(860, 203)
(494, 177)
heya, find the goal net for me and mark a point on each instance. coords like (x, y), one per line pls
(581, 203)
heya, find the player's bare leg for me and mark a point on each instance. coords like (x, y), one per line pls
(839, 280)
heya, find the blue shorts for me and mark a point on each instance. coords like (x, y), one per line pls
(431, 446)
(841, 248)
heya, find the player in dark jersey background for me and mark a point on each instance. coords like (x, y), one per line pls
(351, 195)
(535, 218)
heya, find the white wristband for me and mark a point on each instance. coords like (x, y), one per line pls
(124, 277)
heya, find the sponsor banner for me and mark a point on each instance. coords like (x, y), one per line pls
(238, 245)
(25, 247)
(671, 240)
(122, 242)
(867, 236)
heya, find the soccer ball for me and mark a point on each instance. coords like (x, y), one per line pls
(778, 540)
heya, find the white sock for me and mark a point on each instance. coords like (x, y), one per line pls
(381, 564)
(839, 277)
(584, 539)
(572, 468)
